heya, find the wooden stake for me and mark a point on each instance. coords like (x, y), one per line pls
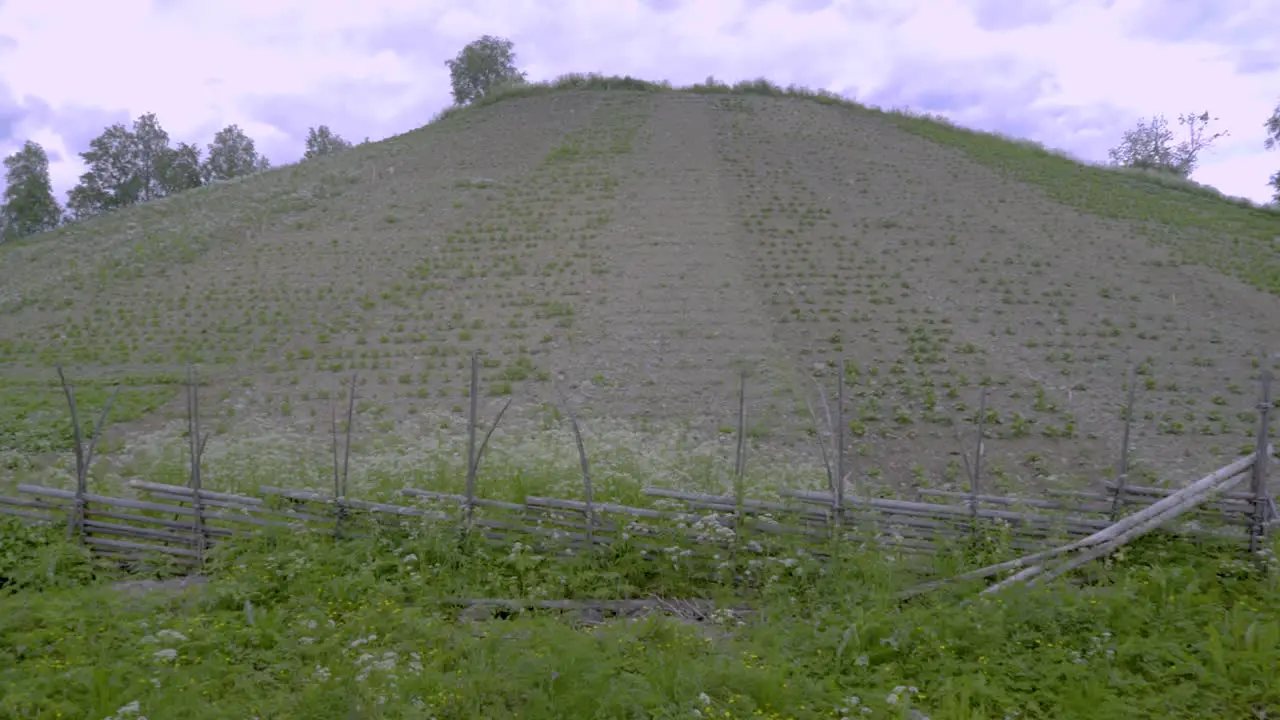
(196, 446)
(471, 441)
(586, 471)
(839, 440)
(84, 456)
(975, 481)
(740, 461)
(1122, 472)
(340, 491)
(1261, 466)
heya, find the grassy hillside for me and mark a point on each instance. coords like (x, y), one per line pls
(635, 247)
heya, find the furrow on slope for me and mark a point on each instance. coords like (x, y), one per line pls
(680, 320)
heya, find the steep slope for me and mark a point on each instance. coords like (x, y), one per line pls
(636, 251)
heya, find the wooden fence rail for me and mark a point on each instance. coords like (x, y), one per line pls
(180, 523)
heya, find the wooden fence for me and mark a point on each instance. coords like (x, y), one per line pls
(181, 523)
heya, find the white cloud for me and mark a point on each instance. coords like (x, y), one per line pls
(200, 66)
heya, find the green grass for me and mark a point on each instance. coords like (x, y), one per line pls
(34, 416)
(1197, 222)
(298, 626)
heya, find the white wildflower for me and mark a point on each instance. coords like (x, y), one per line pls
(165, 654)
(362, 641)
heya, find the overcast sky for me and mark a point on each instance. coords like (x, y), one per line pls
(1072, 74)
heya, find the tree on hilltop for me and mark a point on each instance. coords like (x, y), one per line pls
(323, 141)
(179, 169)
(1149, 145)
(114, 178)
(151, 144)
(127, 166)
(1272, 126)
(481, 67)
(29, 206)
(232, 154)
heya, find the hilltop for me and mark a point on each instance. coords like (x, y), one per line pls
(636, 247)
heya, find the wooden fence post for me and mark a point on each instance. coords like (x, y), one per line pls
(839, 440)
(471, 440)
(975, 481)
(84, 456)
(196, 443)
(1261, 463)
(1122, 471)
(340, 488)
(586, 474)
(739, 466)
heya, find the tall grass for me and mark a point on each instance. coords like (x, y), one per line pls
(306, 626)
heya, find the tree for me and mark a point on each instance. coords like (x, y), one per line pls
(178, 169)
(231, 155)
(1150, 145)
(152, 146)
(323, 141)
(1272, 126)
(29, 206)
(481, 67)
(114, 179)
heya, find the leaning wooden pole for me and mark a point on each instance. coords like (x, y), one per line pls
(1146, 519)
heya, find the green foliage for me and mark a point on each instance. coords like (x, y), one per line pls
(231, 155)
(179, 169)
(323, 141)
(151, 144)
(482, 67)
(305, 626)
(1149, 145)
(1272, 126)
(128, 166)
(37, 557)
(35, 419)
(29, 206)
(113, 179)
(1202, 217)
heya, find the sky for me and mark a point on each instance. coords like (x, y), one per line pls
(1071, 74)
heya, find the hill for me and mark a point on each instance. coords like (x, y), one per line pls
(637, 247)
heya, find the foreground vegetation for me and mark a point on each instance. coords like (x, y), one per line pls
(309, 626)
